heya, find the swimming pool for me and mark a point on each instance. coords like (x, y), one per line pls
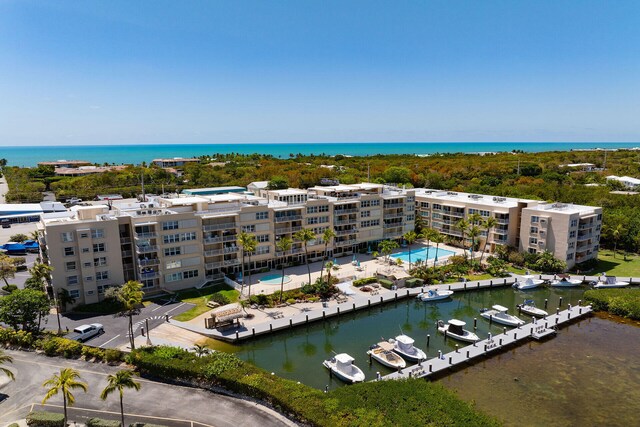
(423, 254)
(274, 279)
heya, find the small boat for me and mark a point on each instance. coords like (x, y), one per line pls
(383, 353)
(606, 282)
(403, 345)
(499, 314)
(434, 295)
(453, 329)
(527, 282)
(341, 365)
(566, 282)
(529, 307)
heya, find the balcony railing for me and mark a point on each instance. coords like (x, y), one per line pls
(393, 225)
(346, 232)
(149, 275)
(146, 249)
(344, 211)
(149, 235)
(230, 238)
(346, 242)
(345, 221)
(223, 226)
(288, 218)
(125, 240)
(214, 277)
(147, 262)
(287, 230)
(222, 251)
(126, 254)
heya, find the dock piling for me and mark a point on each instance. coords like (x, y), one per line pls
(475, 323)
(546, 302)
(428, 339)
(457, 346)
(490, 320)
(560, 302)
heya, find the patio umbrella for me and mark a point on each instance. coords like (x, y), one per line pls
(358, 264)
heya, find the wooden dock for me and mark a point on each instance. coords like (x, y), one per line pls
(538, 329)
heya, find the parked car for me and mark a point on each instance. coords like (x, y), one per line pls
(84, 332)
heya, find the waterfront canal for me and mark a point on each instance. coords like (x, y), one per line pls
(298, 353)
(589, 375)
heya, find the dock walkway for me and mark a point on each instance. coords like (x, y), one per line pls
(537, 329)
(355, 302)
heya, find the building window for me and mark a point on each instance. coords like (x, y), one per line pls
(535, 219)
(411, 199)
(74, 293)
(173, 277)
(249, 228)
(170, 238)
(97, 233)
(85, 250)
(188, 236)
(533, 240)
(172, 251)
(173, 264)
(189, 274)
(323, 208)
(572, 245)
(574, 223)
(262, 238)
(170, 225)
(599, 217)
(87, 265)
(69, 251)
(88, 278)
(84, 235)
(67, 236)
(532, 250)
(365, 214)
(424, 205)
(102, 275)
(570, 256)
(100, 261)
(262, 215)
(411, 217)
(312, 209)
(72, 280)
(533, 230)
(70, 266)
(572, 234)
(99, 247)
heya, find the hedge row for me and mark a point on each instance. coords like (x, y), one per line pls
(57, 346)
(365, 281)
(422, 403)
(621, 302)
(99, 422)
(45, 419)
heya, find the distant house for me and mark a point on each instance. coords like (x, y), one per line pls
(174, 162)
(628, 181)
(15, 213)
(587, 167)
(257, 186)
(65, 163)
(86, 170)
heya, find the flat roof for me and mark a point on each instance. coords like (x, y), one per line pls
(214, 190)
(289, 191)
(467, 198)
(64, 162)
(177, 159)
(566, 208)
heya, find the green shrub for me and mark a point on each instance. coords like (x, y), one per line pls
(19, 338)
(291, 301)
(414, 282)
(69, 348)
(219, 298)
(365, 281)
(385, 283)
(99, 422)
(45, 419)
(146, 425)
(9, 288)
(112, 355)
(14, 425)
(93, 353)
(621, 302)
(50, 346)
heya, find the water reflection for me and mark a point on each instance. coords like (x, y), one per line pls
(298, 353)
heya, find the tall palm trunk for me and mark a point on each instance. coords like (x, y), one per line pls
(324, 261)
(306, 258)
(435, 258)
(122, 409)
(249, 272)
(64, 403)
(132, 339)
(242, 272)
(282, 283)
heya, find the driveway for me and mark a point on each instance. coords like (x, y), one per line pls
(156, 402)
(115, 327)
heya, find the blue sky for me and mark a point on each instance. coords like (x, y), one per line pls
(118, 72)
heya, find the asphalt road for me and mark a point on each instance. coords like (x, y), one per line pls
(156, 402)
(115, 327)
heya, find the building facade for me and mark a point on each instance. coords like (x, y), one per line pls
(176, 243)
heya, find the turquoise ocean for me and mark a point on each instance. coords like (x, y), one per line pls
(126, 154)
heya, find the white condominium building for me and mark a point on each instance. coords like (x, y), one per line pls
(181, 242)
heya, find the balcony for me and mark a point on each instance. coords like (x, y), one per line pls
(148, 262)
(126, 254)
(451, 232)
(287, 230)
(346, 242)
(230, 238)
(225, 263)
(222, 251)
(502, 220)
(149, 275)
(584, 236)
(346, 232)
(146, 249)
(585, 226)
(215, 277)
(394, 215)
(290, 252)
(393, 205)
(149, 235)
(288, 218)
(393, 225)
(345, 221)
(125, 240)
(211, 240)
(223, 226)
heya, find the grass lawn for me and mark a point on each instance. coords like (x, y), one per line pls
(200, 297)
(617, 266)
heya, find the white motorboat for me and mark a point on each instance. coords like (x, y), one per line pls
(499, 314)
(529, 307)
(341, 365)
(434, 295)
(383, 353)
(403, 345)
(454, 329)
(606, 282)
(566, 282)
(527, 282)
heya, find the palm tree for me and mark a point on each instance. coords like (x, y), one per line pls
(201, 350)
(5, 358)
(386, 247)
(437, 238)
(41, 273)
(427, 233)
(305, 236)
(463, 225)
(248, 243)
(330, 265)
(617, 234)
(130, 295)
(64, 382)
(473, 232)
(410, 237)
(118, 382)
(327, 235)
(489, 225)
(283, 245)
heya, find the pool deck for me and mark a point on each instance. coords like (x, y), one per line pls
(492, 344)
